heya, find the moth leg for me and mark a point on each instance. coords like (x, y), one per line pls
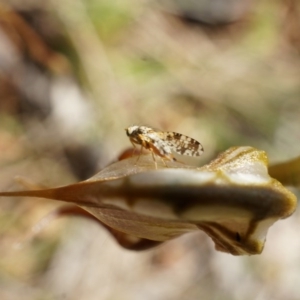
(134, 147)
(164, 162)
(139, 154)
(153, 156)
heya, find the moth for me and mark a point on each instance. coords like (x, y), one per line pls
(163, 143)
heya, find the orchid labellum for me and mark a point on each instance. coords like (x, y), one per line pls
(233, 199)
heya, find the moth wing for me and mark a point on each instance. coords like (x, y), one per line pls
(160, 143)
(182, 144)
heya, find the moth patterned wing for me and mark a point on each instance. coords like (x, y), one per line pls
(158, 141)
(182, 144)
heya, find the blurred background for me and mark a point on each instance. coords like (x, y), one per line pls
(75, 73)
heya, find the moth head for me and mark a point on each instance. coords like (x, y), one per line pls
(131, 129)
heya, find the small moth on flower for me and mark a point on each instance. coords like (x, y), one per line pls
(163, 143)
